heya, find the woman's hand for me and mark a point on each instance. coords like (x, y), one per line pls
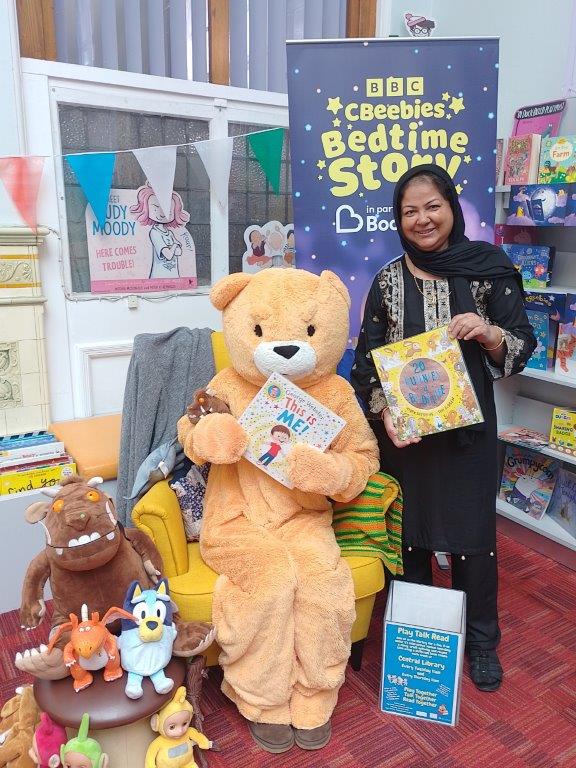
(471, 326)
(392, 432)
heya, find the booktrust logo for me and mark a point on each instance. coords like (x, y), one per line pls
(348, 220)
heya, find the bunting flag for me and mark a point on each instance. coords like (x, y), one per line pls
(267, 148)
(94, 172)
(216, 155)
(21, 177)
(159, 166)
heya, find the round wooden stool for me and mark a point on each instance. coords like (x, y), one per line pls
(121, 725)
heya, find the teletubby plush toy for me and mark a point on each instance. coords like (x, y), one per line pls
(48, 739)
(283, 604)
(91, 646)
(173, 748)
(88, 556)
(147, 647)
(82, 751)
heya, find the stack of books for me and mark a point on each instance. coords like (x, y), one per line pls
(32, 461)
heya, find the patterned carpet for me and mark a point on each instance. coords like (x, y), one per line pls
(529, 723)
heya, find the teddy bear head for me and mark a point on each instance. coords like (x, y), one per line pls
(287, 321)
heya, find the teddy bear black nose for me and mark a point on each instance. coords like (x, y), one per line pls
(287, 351)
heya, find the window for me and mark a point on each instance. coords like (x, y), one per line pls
(95, 129)
(251, 199)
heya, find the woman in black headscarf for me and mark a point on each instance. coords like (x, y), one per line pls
(449, 480)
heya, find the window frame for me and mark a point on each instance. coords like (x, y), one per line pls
(217, 105)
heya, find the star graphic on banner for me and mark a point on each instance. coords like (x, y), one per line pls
(445, 96)
(336, 122)
(320, 177)
(360, 194)
(467, 159)
(457, 105)
(321, 163)
(448, 117)
(459, 188)
(334, 105)
(349, 126)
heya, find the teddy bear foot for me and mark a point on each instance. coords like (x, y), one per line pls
(42, 664)
(193, 637)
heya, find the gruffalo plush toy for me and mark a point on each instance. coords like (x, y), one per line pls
(284, 601)
(89, 558)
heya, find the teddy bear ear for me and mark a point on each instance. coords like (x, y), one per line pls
(329, 279)
(228, 288)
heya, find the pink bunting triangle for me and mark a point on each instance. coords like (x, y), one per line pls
(21, 177)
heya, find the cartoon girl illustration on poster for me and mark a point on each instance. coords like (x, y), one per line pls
(166, 247)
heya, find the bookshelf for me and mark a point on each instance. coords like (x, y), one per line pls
(528, 399)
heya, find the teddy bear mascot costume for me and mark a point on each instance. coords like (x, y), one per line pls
(284, 600)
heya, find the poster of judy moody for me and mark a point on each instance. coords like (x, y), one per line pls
(139, 248)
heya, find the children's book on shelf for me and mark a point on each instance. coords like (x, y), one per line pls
(552, 302)
(426, 384)
(528, 480)
(563, 504)
(557, 160)
(563, 431)
(526, 438)
(25, 440)
(570, 220)
(546, 333)
(566, 349)
(507, 233)
(534, 262)
(544, 118)
(31, 453)
(522, 156)
(280, 416)
(34, 479)
(538, 205)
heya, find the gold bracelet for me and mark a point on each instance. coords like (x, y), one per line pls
(502, 340)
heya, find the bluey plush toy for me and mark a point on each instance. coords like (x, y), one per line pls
(147, 648)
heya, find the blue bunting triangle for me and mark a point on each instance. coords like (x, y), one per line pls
(94, 172)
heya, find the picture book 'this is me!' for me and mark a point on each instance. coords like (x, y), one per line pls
(280, 416)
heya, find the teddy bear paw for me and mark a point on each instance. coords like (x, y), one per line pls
(219, 439)
(314, 471)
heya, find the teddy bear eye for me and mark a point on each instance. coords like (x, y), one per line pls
(311, 330)
(258, 330)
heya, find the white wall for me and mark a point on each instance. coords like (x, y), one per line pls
(537, 45)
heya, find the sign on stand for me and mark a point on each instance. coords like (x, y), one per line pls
(424, 633)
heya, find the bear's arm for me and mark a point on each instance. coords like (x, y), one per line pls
(356, 443)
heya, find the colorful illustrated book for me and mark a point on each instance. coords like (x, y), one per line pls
(570, 219)
(546, 333)
(534, 262)
(563, 431)
(544, 118)
(528, 480)
(557, 160)
(35, 479)
(538, 205)
(563, 504)
(501, 145)
(566, 349)
(280, 416)
(552, 302)
(526, 438)
(522, 156)
(426, 384)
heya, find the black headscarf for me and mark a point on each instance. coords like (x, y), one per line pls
(463, 260)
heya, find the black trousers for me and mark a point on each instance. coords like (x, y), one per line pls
(477, 576)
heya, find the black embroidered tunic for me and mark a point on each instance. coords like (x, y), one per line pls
(449, 480)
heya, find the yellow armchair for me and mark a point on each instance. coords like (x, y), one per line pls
(192, 581)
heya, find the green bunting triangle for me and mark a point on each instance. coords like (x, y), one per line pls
(267, 148)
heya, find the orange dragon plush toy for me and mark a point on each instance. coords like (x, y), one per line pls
(91, 646)
(283, 604)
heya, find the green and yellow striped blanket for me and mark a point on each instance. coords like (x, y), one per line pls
(371, 524)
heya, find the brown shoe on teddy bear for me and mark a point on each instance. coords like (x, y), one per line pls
(272, 737)
(89, 558)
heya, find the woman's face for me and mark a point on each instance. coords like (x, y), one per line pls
(426, 217)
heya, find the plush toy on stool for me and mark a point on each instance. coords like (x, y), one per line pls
(283, 605)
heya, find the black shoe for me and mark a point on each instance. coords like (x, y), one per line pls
(485, 669)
